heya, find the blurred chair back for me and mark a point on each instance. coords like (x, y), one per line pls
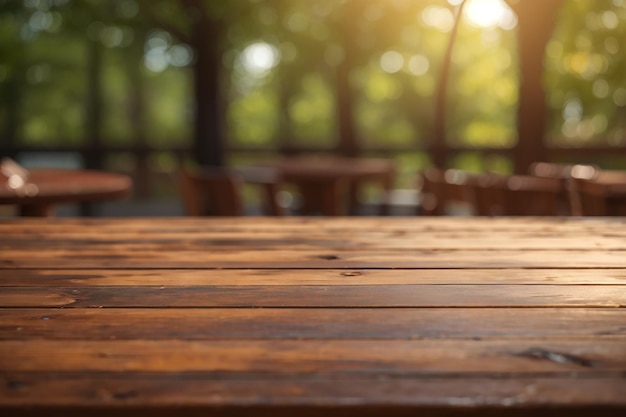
(443, 189)
(490, 194)
(219, 191)
(563, 171)
(570, 199)
(549, 170)
(533, 196)
(214, 191)
(432, 184)
(519, 195)
(587, 197)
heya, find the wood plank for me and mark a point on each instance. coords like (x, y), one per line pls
(317, 296)
(532, 326)
(387, 233)
(286, 358)
(355, 323)
(304, 224)
(189, 390)
(410, 230)
(191, 277)
(97, 258)
(347, 241)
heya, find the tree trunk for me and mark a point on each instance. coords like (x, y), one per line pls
(92, 156)
(286, 90)
(439, 144)
(12, 112)
(208, 143)
(348, 144)
(137, 114)
(536, 23)
(95, 106)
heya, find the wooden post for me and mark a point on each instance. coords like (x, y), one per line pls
(347, 145)
(348, 142)
(13, 121)
(536, 23)
(92, 155)
(95, 106)
(136, 113)
(439, 149)
(286, 90)
(208, 143)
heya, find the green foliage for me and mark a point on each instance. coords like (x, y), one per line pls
(53, 113)
(395, 53)
(586, 74)
(311, 112)
(253, 119)
(170, 112)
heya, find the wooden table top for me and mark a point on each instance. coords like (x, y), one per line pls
(313, 316)
(311, 168)
(326, 182)
(50, 186)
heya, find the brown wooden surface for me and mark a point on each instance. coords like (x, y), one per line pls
(324, 181)
(613, 193)
(306, 316)
(218, 191)
(47, 187)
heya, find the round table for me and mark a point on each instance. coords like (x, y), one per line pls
(46, 187)
(323, 181)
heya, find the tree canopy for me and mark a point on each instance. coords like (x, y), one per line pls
(284, 74)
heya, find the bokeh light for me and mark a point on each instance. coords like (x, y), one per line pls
(438, 17)
(419, 65)
(391, 61)
(490, 14)
(259, 58)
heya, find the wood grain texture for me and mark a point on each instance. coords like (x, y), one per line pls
(336, 296)
(338, 240)
(434, 233)
(86, 257)
(330, 277)
(313, 317)
(465, 394)
(155, 225)
(303, 323)
(318, 357)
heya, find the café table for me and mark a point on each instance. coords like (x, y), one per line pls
(330, 184)
(372, 316)
(46, 188)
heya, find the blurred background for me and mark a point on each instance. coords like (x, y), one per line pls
(145, 87)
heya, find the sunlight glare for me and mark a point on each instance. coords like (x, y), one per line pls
(490, 14)
(260, 57)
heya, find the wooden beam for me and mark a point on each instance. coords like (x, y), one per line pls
(536, 23)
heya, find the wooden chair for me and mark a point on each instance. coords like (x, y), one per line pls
(549, 170)
(443, 189)
(520, 195)
(219, 191)
(322, 196)
(588, 197)
(570, 200)
(431, 187)
(563, 171)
